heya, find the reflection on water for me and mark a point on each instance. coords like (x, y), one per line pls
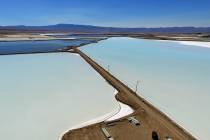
(43, 95)
(173, 77)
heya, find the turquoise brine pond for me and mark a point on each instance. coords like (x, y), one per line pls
(43, 95)
(173, 77)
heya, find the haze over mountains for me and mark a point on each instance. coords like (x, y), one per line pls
(98, 29)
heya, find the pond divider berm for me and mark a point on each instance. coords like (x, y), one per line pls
(152, 120)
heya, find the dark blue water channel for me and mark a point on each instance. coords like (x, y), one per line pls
(38, 46)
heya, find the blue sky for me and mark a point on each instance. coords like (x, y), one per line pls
(117, 13)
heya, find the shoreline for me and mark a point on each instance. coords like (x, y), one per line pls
(122, 111)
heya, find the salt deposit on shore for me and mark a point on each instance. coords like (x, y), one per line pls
(122, 111)
(190, 43)
(196, 43)
(31, 37)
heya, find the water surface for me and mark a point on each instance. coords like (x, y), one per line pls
(38, 46)
(173, 77)
(43, 95)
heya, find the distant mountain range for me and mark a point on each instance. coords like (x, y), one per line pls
(98, 29)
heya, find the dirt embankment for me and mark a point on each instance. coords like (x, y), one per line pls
(150, 118)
